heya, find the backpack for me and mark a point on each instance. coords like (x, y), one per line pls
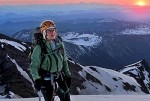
(37, 39)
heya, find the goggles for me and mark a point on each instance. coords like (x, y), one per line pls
(50, 29)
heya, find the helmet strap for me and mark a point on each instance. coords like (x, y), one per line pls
(44, 34)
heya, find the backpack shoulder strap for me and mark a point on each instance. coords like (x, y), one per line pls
(43, 52)
(59, 38)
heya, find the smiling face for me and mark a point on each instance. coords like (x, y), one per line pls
(51, 34)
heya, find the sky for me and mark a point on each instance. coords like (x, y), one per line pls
(121, 2)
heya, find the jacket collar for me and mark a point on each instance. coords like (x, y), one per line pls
(49, 48)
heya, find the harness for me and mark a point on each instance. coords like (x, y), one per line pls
(53, 77)
(45, 74)
(44, 52)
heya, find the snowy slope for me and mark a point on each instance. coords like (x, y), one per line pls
(14, 44)
(14, 64)
(82, 39)
(106, 20)
(94, 98)
(105, 81)
(140, 30)
(139, 71)
(24, 35)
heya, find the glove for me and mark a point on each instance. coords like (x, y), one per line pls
(38, 84)
(67, 78)
(60, 93)
(68, 75)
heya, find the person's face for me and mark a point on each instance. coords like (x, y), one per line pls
(51, 34)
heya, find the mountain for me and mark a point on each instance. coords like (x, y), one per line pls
(15, 17)
(99, 26)
(139, 30)
(25, 35)
(10, 27)
(108, 43)
(105, 81)
(112, 50)
(80, 24)
(85, 79)
(140, 71)
(13, 66)
(86, 40)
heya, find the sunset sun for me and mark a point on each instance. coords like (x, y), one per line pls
(140, 3)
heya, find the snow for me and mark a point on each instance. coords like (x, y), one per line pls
(147, 79)
(105, 78)
(11, 95)
(93, 98)
(105, 20)
(17, 35)
(82, 39)
(2, 87)
(134, 69)
(26, 35)
(127, 69)
(141, 30)
(14, 44)
(2, 45)
(134, 64)
(23, 73)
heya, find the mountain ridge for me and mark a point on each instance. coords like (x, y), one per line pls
(106, 40)
(85, 79)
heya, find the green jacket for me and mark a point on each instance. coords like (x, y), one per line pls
(54, 61)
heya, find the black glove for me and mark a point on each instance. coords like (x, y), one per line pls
(60, 93)
(67, 77)
(38, 84)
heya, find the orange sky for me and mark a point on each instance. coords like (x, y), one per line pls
(122, 2)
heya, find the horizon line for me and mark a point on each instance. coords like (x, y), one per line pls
(69, 4)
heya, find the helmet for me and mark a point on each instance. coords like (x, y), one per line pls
(47, 24)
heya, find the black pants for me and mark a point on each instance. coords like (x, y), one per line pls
(48, 89)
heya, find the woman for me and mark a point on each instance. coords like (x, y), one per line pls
(53, 69)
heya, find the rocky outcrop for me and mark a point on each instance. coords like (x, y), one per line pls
(10, 57)
(140, 71)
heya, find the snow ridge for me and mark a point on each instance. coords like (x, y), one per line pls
(87, 40)
(14, 44)
(141, 30)
(107, 82)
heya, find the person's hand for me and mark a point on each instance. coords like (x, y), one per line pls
(37, 84)
(68, 75)
(67, 78)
